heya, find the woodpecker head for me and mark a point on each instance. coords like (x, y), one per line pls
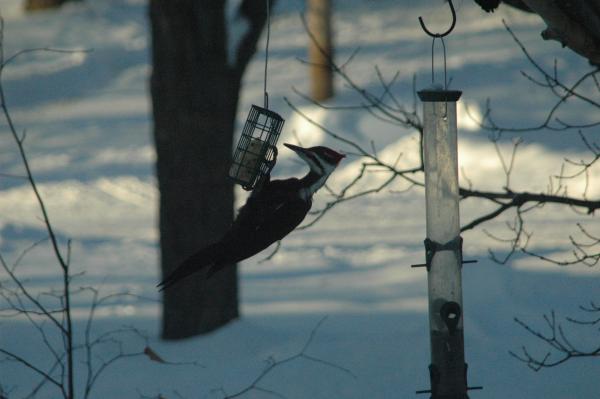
(321, 160)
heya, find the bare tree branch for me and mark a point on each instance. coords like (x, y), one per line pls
(54, 305)
(562, 348)
(273, 364)
(386, 106)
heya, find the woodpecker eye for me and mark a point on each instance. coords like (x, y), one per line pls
(327, 154)
(331, 155)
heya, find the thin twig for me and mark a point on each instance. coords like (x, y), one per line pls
(274, 364)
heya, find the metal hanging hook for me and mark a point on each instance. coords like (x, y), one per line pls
(449, 29)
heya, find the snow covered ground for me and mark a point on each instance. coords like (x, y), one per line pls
(88, 138)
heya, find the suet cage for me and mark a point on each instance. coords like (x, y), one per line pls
(256, 151)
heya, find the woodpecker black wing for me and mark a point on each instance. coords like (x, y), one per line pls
(268, 215)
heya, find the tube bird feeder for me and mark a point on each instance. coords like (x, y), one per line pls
(256, 152)
(443, 244)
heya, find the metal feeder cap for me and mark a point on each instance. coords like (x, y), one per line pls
(438, 94)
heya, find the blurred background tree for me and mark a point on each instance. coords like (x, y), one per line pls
(198, 65)
(32, 5)
(320, 49)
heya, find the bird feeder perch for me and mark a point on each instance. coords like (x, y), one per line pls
(256, 152)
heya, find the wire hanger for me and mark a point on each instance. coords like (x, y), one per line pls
(441, 37)
(266, 98)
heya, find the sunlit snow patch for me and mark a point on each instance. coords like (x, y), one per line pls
(304, 130)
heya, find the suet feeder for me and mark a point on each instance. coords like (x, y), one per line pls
(256, 151)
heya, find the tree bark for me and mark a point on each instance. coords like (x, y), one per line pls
(569, 32)
(195, 91)
(575, 23)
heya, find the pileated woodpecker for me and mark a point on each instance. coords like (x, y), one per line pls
(270, 213)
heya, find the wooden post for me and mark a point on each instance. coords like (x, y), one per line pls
(443, 245)
(320, 49)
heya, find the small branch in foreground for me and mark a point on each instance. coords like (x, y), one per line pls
(561, 346)
(273, 364)
(562, 91)
(50, 312)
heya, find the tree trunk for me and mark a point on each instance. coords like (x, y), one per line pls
(320, 50)
(195, 92)
(576, 29)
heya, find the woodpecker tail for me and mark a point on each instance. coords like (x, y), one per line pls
(195, 263)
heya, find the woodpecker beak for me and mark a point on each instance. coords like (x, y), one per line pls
(295, 148)
(303, 153)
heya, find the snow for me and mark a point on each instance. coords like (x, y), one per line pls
(87, 117)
